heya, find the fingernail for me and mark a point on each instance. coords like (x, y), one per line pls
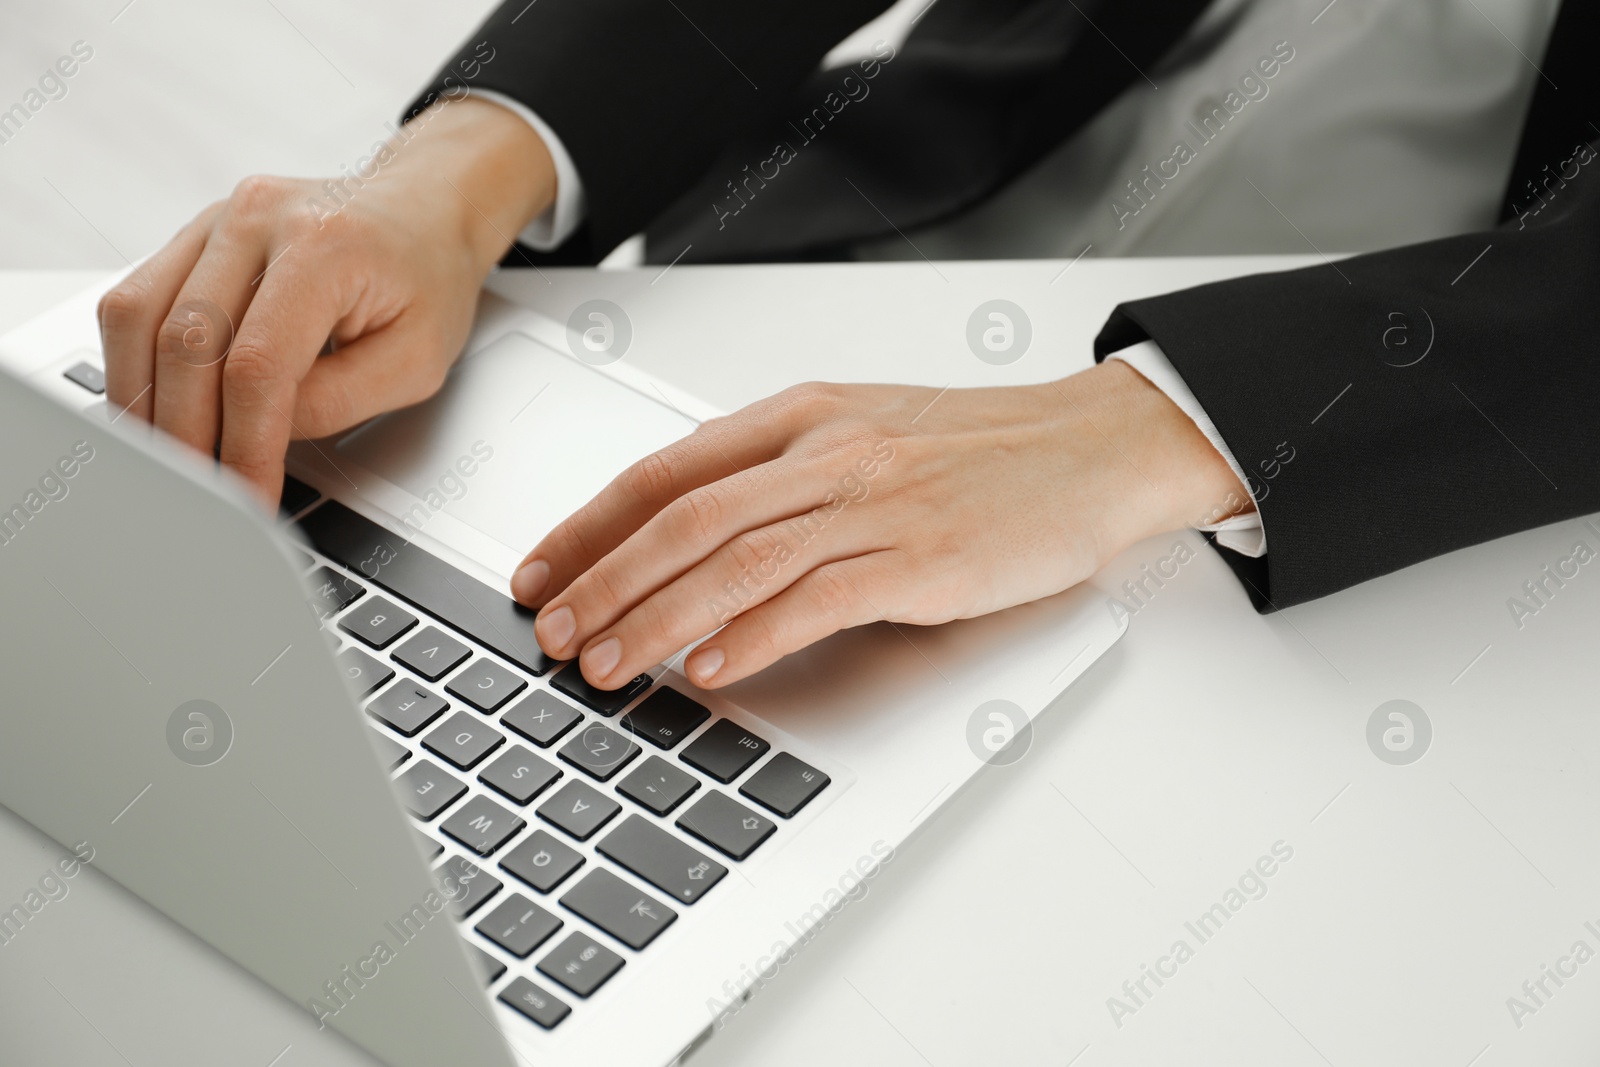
(530, 580)
(705, 664)
(603, 658)
(557, 628)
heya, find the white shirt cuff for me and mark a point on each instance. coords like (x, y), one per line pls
(1243, 534)
(561, 218)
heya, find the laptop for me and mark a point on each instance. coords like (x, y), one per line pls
(327, 744)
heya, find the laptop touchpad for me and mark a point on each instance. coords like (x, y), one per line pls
(519, 438)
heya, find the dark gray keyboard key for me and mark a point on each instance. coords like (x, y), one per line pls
(665, 717)
(377, 622)
(533, 1002)
(518, 925)
(406, 707)
(295, 497)
(426, 790)
(599, 751)
(485, 685)
(87, 375)
(390, 751)
(725, 751)
(726, 825)
(579, 809)
(541, 718)
(542, 861)
(364, 672)
(658, 785)
(432, 653)
(429, 845)
(466, 885)
(489, 969)
(581, 964)
(482, 825)
(463, 740)
(605, 701)
(519, 774)
(486, 615)
(785, 784)
(661, 859)
(632, 917)
(332, 592)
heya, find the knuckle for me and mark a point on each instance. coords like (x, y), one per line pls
(831, 593)
(653, 476)
(257, 195)
(755, 551)
(249, 366)
(699, 516)
(120, 305)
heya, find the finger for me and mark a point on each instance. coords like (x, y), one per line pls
(390, 368)
(279, 338)
(748, 571)
(687, 532)
(716, 449)
(834, 597)
(131, 313)
(196, 335)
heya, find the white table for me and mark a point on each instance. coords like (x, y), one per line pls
(1418, 898)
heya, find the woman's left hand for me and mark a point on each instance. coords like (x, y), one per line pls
(829, 506)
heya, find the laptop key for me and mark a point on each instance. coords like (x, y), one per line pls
(518, 925)
(581, 964)
(606, 701)
(599, 751)
(785, 784)
(332, 592)
(632, 917)
(486, 615)
(466, 885)
(489, 969)
(406, 707)
(87, 375)
(579, 809)
(542, 861)
(485, 685)
(726, 825)
(377, 622)
(541, 718)
(533, 1002)
(432, 653)
(519, 775)
(390, 751)
(658, 785)
(364, 672)
(463, 740)
(725, 751)
(426, 790)
(665, 717)
(661, 859)
(482, 825)
(295, 497)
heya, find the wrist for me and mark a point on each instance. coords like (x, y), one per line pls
(1181, 479)
(484, 166)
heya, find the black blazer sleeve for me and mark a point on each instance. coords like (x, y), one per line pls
(645, 92)
(1432, 399)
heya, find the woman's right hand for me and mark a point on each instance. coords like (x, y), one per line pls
(216, 338)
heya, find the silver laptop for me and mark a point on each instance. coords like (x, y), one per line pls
(329, 745)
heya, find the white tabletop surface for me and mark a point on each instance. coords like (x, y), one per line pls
(1418, 898)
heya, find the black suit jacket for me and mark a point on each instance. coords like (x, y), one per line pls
(1395, 458)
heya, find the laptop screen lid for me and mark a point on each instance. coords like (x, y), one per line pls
(172, 705)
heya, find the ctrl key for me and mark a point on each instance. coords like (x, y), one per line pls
(534, 1002)
(581, 964)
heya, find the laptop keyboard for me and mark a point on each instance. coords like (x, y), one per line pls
(571, 824)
